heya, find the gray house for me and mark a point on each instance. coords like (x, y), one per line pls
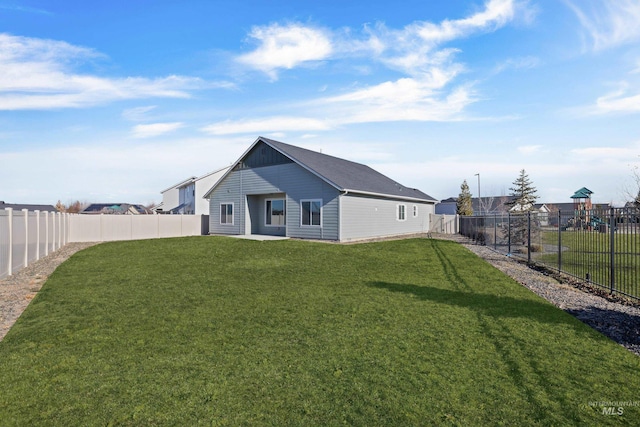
(283, 190)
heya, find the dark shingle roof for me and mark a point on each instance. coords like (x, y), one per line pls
(344, 174)
(113, 208)
(18, 207)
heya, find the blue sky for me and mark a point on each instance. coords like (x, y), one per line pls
(116, 101)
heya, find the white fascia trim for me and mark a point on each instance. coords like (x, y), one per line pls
(180, 184)
(391, 196)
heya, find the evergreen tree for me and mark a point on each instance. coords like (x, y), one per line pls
(463, 204)
(524, 197)
(523, 193)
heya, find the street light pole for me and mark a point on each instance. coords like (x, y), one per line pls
(479, 197)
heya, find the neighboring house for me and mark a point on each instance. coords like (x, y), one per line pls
(19, 207)
(280, 189)
(179, 198)
(114, 209)
(187, 197)
(447, 206)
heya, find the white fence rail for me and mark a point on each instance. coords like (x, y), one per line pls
(26, 236)
(444, 224)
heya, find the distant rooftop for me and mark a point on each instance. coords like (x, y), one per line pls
(19, 207)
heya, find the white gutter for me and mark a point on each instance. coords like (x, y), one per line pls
(390, 196)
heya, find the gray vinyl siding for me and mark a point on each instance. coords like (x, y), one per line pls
(367, 217)
(262, 183)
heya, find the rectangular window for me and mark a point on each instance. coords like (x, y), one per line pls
(415, 211)
(402, 212)
(276, 212)
(311, 212)
(226, 213)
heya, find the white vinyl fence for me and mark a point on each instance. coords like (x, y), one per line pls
(26, 236)
(106, 228)
(444, 224)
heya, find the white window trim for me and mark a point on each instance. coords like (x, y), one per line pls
(285, 212)
(233, 213)
(404, 212)
(310, 219)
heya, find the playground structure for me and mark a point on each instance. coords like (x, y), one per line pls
(582, 207)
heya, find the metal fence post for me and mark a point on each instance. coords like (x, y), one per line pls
(509, 233)
(529, 237)
(612, 230)
(559, 241)
(495, 231)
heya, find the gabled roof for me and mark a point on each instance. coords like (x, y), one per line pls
(180, 184)
(211, 173)
(344, 175)
(583, 193)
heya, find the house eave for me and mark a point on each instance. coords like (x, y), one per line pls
(388, 196)
(180, 184)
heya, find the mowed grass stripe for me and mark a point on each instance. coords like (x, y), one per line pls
(220, 331)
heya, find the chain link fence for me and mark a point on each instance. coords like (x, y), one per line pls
(599, 246)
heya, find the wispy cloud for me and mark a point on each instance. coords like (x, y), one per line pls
(608, 23)
(39, 74)
(155, 129)
(427, 91)
(414, 48)
(520, 63)
(286, 46)
(25, 9)
(403, 100)
(600, 154)
(264, 125)
(619, 101)
(529, 149)
(137, 113)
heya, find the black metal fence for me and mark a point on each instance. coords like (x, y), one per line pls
(601, 247)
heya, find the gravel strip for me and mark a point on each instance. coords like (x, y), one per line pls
(617, 319)
(17, 290)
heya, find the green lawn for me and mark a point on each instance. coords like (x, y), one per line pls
(220, 331)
